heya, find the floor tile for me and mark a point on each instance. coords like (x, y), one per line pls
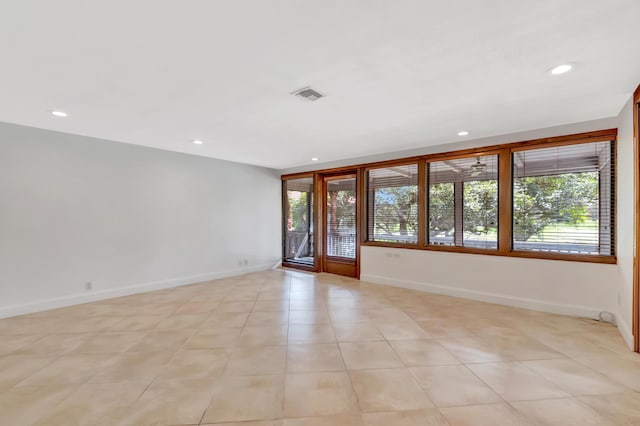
(225, 319)
(574, 378)
(26, 405)
(406, 330)
(309, 317)
(568, 411)
(264, 335)
(196, 364)
(221, 337)
(357, 332)
(388, 390)
(514, 382)
(110, 342)
(453, 385)
(134, 367)
(70, 369)
(319, 357)
(162, 341)
(16, 368)
(310, 333)
(485, 415)
(368, 355)
(267, 318)
(424, 352)
(167, 403)
(428, 417)
(340, 420)
(621, 409)
(350, 353)
(257, 360)
(181, 322)
(91, 402)
(239, 399)
(319, 394)
(623, 370)
(54, 344)
(138, 323)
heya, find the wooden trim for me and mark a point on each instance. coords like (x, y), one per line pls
(301, 266)
(332, 264)
(317, 225)
(636, 233)
(505, 193)
(423, 218)
(458, 217)
(505, 201)
(493, 252)
(361, 218)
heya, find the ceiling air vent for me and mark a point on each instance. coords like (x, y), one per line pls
(308, 94)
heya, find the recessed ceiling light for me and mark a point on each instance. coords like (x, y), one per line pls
(59, 113)
(197, 142)
(314, 159)
(463, 133)
(561, 69)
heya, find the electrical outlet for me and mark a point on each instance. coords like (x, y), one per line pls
(88, 285)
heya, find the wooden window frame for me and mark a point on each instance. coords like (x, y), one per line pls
(365, 204)
(300, 265)
(504, 195)
(460, 208)
(636, 233)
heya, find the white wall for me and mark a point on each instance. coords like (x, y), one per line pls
(625, 208)
(571, 288)
(466, 142)
(127, 218)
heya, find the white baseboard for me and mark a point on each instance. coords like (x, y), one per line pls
(625, 331)
(94, 296)
(518, 302)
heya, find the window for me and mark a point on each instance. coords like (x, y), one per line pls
(551, 198)
(562, 199)
(463, 202)
(341, 217)
(298, 220)
(393, 204)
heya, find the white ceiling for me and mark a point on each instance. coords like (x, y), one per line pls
(396, 74)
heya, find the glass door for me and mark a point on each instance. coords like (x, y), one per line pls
(298, 235)
(340, 225)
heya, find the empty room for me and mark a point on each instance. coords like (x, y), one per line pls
(319, 213)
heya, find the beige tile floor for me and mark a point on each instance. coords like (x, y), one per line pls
(290, 349)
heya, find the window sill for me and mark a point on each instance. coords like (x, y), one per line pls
(493, 252)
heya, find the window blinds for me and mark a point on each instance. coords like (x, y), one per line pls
(563, 199)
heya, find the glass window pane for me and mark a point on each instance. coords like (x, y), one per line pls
(393, 204)
(441, 214)
(341, 218)
(298, 220)
(463, 202)
(480, 211)
(562, 199)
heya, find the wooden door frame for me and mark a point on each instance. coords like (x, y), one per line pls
(636, 242)
(322, 212)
